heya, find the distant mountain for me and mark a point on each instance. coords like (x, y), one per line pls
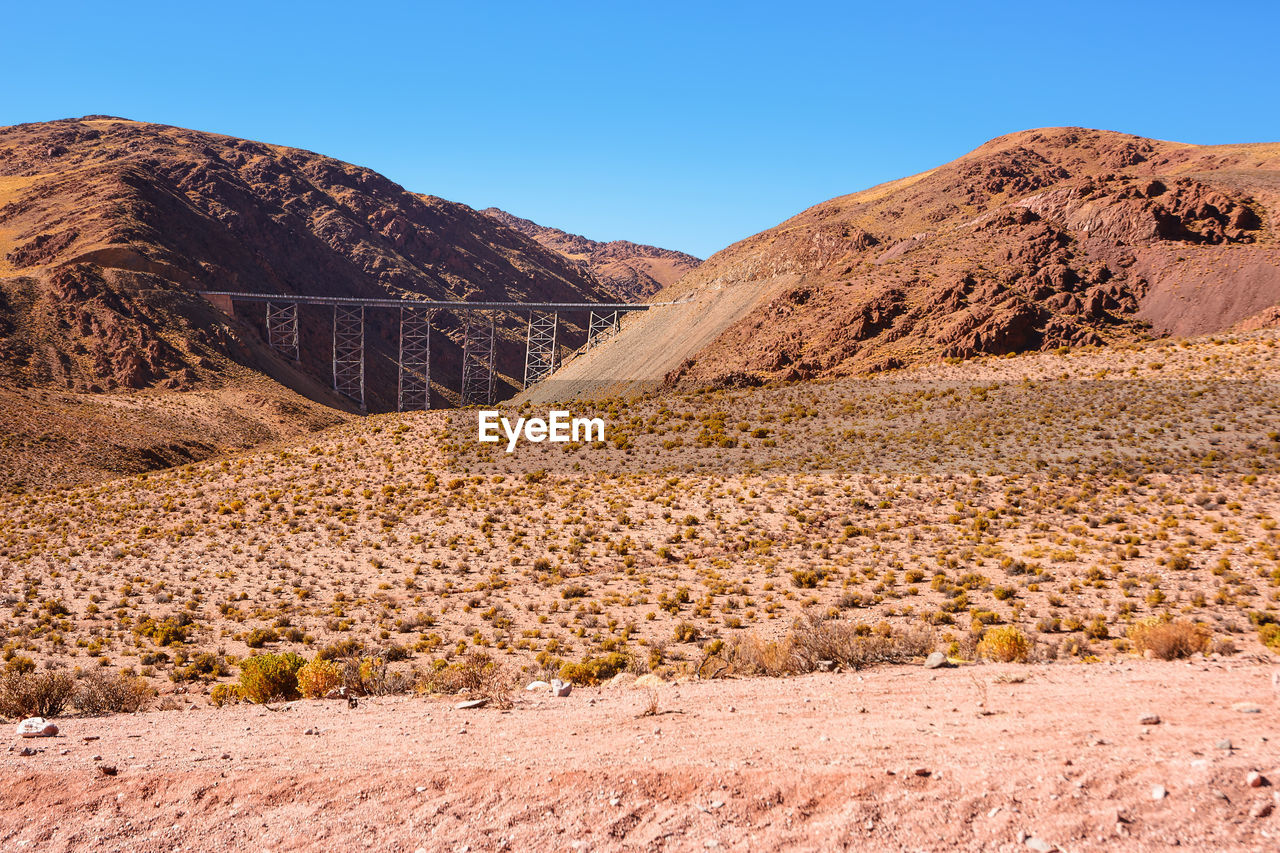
(630, 270)
(108, 227)
(1036, 240)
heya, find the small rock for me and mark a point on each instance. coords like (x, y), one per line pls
(107, 769)
(561, 688)
(1247, 708)
(1039, 845)
(26, 751)
(1159, 792)
(923, 771)
(37, 727)
(826, 666)
(1255, 779)
(1262, 808)
(474, 703)
(538, 685)
(1149, 720)
(1224, 744)
(936, 660)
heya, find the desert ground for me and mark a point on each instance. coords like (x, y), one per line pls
(978, 757)
(1088, 535)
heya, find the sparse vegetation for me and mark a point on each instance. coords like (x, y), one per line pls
(1005, 643)
(270, 678)
(396, 562)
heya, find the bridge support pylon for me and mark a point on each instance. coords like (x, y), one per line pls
(415, 359)
(602, 327)
(479, 380)
(540, 347)
(282, 328)
(348, 352)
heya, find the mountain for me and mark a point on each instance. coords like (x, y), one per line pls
(1034, 241)
(109, 227)
(630, 270)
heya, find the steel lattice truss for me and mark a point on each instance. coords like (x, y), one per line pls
(478, 377)
(282, 328)
(603, 326)
(540, 349)
(415, 359)
(348, 352)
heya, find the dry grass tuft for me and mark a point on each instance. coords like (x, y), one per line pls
(1168, 640)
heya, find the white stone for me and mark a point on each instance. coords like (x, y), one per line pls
(37, 727)
(538, 685)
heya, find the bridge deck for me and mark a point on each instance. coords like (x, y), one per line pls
(432, 303)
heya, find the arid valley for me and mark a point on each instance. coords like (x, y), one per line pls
(940, 514)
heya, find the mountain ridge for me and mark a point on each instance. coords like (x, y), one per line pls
(1034, 240)
(632, 270)
(110, 227)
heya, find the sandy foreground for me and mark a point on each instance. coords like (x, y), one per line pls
(991, 757)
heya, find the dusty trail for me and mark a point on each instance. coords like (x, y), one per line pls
(820, 762)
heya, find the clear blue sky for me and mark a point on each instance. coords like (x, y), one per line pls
(688, 125)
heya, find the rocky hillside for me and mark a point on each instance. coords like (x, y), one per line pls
(1037, 240)
(630, 270)
(109, 227)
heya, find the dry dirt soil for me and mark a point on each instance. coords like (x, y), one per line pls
(998, 757)
(1077, 497)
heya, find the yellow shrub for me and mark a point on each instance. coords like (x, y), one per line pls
(1005, 643)
(224, 694)
(270, 678)
(318, 677)
(1166, 639)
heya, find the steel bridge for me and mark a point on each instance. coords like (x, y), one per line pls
(479, 334)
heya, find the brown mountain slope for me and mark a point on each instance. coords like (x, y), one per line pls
(1036, 240)
(630, 270)
(109, 226)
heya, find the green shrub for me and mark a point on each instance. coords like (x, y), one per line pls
(806, 578)
(349, 647)
(594, 670)
(224, 694)
(206, 665)
(686, 632)
(270, 678)
(167, 632)
(259, 637)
